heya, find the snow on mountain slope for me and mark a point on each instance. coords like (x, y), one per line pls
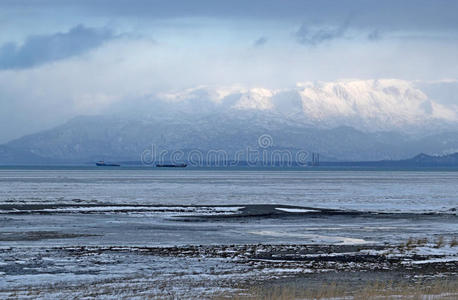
(376, 104)
(343, 120)
(257, 98)
(371, 105)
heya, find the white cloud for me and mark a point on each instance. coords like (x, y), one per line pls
(168, 55)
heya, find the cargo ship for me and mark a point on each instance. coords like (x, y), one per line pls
(171, 165)
(104, 164)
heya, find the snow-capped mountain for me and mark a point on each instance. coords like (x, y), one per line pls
(343, 120)
(369, 105)
(373, 105)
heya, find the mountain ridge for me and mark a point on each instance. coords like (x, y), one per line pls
(369, 105)
(90, 138)
(351, 120)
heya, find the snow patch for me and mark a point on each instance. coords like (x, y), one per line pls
(296, 210)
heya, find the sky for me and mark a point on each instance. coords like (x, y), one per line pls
(60, 59)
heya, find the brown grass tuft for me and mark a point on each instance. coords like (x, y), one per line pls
(422, 242)
(454, 242)
(440, 242)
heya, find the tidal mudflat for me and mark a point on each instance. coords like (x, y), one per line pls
(75, 247)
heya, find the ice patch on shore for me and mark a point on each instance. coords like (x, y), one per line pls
(131, 209)
(296, 210)
(430, 253)
(313, 238)
(436, 260)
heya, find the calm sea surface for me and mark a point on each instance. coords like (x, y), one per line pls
(393, 191)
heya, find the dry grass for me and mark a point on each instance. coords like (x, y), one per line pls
(454, 242)
(410, 243)
(422, 242)
(439, 289)
(440, 242)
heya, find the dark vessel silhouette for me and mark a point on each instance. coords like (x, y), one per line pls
(104, 164)
(171, 165)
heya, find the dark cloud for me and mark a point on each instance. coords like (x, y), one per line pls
(315, 36)
(41, 49)
(386, 15)
(261, 41)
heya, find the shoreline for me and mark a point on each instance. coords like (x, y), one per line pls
(213, 271)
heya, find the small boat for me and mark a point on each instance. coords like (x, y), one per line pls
(104, 164)
(171, 165)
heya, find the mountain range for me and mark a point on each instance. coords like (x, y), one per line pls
(350, 120)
